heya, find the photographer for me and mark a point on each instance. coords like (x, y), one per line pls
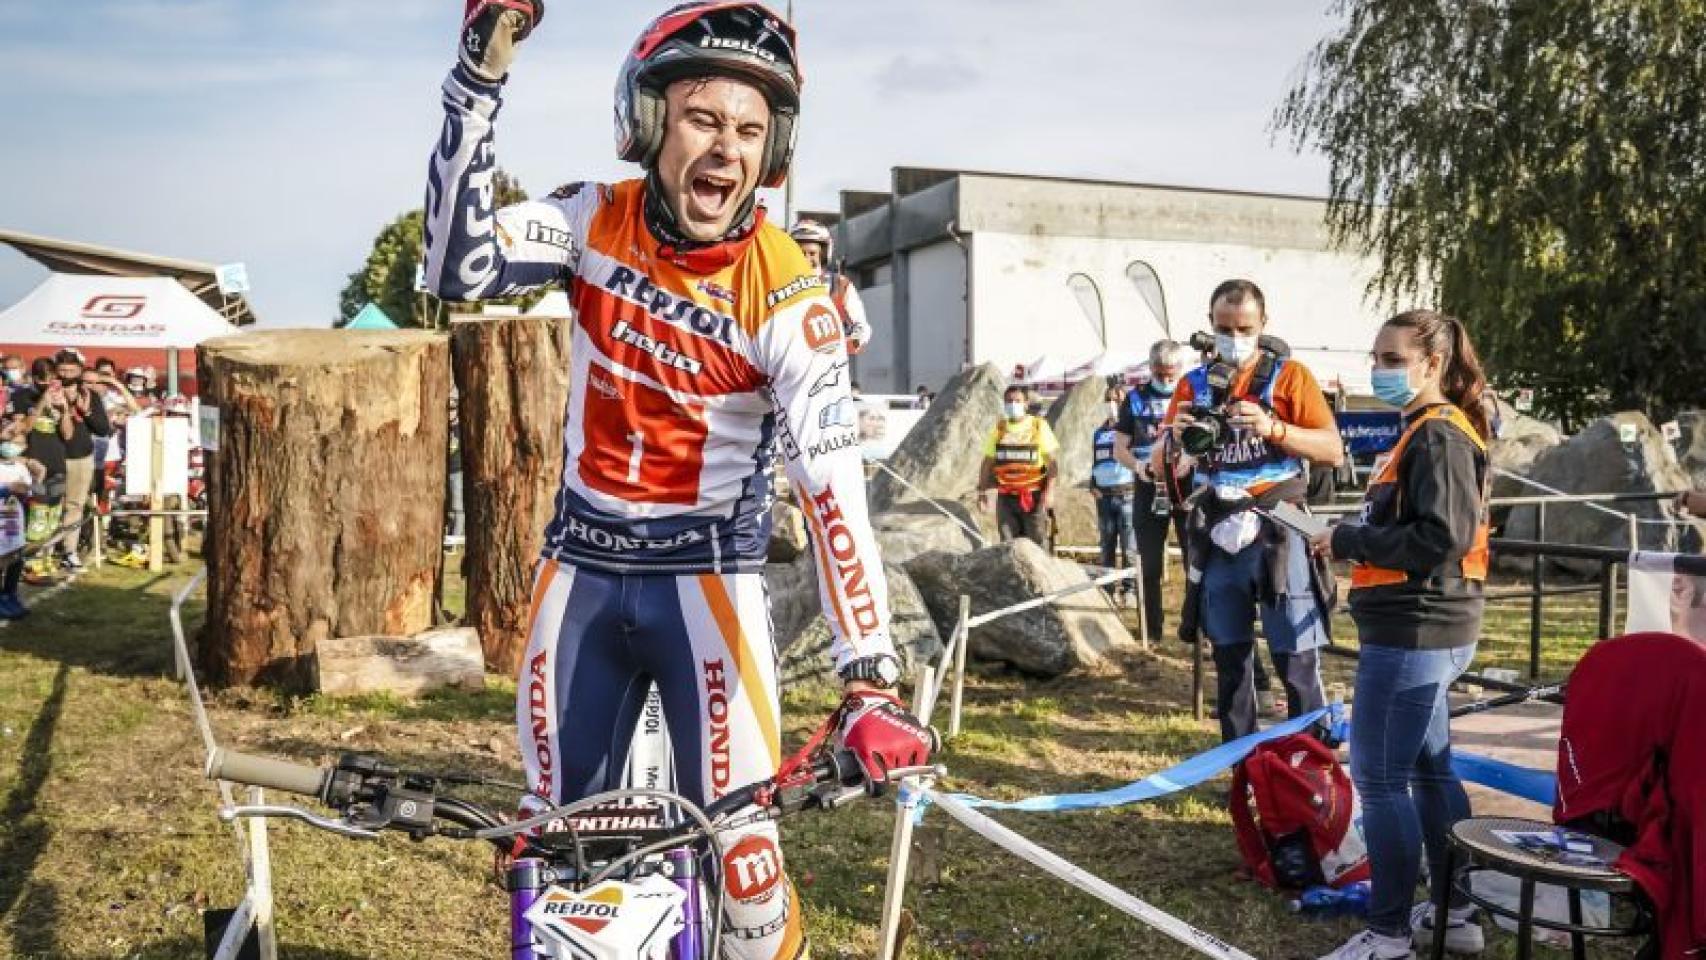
(1139, 428)
(1112, 485)
(1249, 422)
(87, 416)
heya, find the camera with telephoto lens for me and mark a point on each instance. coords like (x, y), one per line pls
(1210, 429)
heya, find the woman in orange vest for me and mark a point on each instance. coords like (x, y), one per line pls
(1419, 562)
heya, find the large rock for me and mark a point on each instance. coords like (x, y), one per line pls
(1074, 633)
(1691, 446)
(792, 589)
(787, 532)
(910, 529)
(1597, 461)
(407, 666)
(1074, 417)
(805, 658)
(1521, 441)
(942, 454)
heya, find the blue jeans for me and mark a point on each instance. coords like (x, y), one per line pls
(1401, 764)
(1114, 523)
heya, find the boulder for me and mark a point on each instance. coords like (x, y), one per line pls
(792, 589)
(787, 532)
(1691, 446)
(1074, 633)
(806, 657)
(1598, 461)
(1074, 417)
(1521, 441)
(909, 529)
(942, 454)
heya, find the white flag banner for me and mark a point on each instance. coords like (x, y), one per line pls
(1662, 600)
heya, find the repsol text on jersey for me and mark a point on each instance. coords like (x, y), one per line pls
(638, 289)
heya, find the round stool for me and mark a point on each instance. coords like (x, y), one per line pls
(1477, 845)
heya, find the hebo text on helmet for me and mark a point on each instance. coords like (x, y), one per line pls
(742, 41)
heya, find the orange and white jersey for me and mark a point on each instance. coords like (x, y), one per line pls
(689, 368)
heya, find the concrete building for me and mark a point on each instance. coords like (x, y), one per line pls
(958, 268)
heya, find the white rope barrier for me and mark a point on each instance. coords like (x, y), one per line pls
(982, 541)
(1204, 943)
(1046, 599)
(256, 909)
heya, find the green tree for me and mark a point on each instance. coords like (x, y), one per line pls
(1543, 162)
(388, 277)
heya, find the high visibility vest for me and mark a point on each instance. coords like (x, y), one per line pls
(1384, 500)
(1019, 460)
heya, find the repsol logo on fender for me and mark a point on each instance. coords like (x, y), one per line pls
(717, 719)
(638, 289)
(849, 569)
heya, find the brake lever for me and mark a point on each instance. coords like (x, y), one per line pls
(271, 811)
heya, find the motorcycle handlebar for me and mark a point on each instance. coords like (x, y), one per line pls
(268, 773)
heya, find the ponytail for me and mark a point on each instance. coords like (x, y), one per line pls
(1462, 380)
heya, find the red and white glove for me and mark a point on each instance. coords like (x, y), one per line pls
(492, 29)
(882, 735)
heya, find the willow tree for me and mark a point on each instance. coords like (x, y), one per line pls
(1544, 163)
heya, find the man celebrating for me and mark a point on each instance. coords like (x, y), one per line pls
(1251, 419)
(817, 243)
(1019, 469)
(702, 339)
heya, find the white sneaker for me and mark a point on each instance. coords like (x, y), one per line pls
(1462, 929)
(1369, 945)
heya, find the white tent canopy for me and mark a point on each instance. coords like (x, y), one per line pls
(94, 312)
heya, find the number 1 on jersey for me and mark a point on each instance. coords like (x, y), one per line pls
(639, 441)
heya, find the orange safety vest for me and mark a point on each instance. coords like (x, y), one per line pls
(1019, 464)
(1384, 490)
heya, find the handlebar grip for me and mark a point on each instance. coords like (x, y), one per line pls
(268, 773)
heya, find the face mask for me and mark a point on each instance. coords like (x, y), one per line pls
(1393, 387)
(70, 381)
(14, 375)
(1113, 409)
(1015, 409)
(1234, 349)
(1164, 387)
(11, 451)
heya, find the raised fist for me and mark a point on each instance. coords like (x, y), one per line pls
(491, 29)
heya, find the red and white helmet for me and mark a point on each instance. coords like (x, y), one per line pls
(810, 231)
(731, 38)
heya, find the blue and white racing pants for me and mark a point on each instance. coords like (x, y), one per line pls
(597, 643)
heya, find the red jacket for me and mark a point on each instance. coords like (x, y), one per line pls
(1634, 746)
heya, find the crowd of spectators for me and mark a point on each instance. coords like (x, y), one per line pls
(60, 436)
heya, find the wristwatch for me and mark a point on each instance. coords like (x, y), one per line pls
(881, 670)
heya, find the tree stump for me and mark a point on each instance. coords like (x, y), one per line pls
(325, 504)
(512, 376)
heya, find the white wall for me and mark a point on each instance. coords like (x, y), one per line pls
(874, 367)
(938, 294)
(1023, 307)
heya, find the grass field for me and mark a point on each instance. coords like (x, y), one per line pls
(109, 846)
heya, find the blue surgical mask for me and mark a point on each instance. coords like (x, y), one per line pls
(1015, 409)
(1164, 387)
(1235, 349)
(10, 450)
(1393, 387)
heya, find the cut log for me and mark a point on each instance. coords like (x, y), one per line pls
(407, 666)
(512, 378)
(325, 504)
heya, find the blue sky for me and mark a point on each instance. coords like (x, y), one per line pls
(284, 134)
